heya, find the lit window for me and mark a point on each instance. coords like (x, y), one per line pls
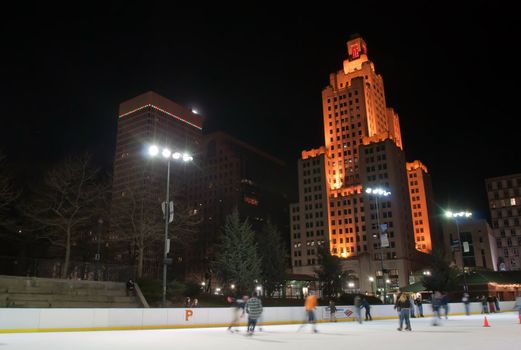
(512, 201)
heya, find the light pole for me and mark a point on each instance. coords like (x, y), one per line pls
(153, 151)
(371, 279)
(462, 214)
(378, 192)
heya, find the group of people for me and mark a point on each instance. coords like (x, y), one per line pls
(191, 303)
(251, 306)
(405, 305)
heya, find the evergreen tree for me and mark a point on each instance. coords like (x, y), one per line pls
(273, 255)
(443, 276)
(330, 273)
(238, 262)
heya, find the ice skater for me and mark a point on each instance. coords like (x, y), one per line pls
(484, 306)
(254, 310)
(466, 302)
(404, 305)
(445, 304)
(332, 311)
(238, 305)
(419, 305)
(367, 307)
(358, 305)
(436, 305)
(411, 299)
(310, 305)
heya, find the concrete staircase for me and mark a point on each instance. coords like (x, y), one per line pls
(32, 292)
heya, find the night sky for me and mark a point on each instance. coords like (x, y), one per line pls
(451, 73)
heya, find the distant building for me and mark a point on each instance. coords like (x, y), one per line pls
(363, 149)
(476, 240)
(233, 174)
(504, 199)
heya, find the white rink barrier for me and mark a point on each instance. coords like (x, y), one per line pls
(59, 320)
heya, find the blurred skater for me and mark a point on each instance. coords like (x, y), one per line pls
(466, 302)
(254, 310)
(357, 303)
(445, 304)
(411, 299)
(496, 303)
(484, 306)
(238, 305)
(491, 305)
(310, 305)
(436, 305)
(367, 307)
(332, 311)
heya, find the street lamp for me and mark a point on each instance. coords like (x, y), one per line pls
(462, 214)
(153, 151)
(376, 193)
(371, 279)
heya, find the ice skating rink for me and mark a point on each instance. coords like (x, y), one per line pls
(458, 332)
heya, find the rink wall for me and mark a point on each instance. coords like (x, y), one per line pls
(59, 320)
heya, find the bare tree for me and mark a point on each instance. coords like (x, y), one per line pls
(138, 224)
(141, 225)
(66, 203)
(8, 192)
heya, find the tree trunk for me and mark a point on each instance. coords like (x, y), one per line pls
(65, 269)
(140, 258)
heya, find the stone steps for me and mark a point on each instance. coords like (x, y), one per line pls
(45, 292)
(61, 297)
(68, 304)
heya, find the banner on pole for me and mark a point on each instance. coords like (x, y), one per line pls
(171, 217)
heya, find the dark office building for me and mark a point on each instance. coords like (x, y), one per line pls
(140, 179)
(235, 174)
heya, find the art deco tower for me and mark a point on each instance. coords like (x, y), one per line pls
(363, 149)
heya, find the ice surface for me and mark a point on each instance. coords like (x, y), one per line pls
(458, 332)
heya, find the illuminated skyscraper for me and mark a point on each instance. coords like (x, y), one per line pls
(137, 179)
(363, 149)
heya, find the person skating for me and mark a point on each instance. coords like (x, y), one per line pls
(404, 305)
(254, 310)
(445, 304)
(310, 305)
(436, 305)
(238, 305)
(332, 311)
(466, 302)
(419, 305)
(357, 303)
(496, 303)
(367, 307)
(411, 299)
(484, 305)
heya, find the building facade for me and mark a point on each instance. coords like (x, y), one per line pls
(475, 238)
(420, 191)
(504, 198)
(363, 149)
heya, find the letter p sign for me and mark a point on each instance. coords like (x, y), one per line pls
(188, 314)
